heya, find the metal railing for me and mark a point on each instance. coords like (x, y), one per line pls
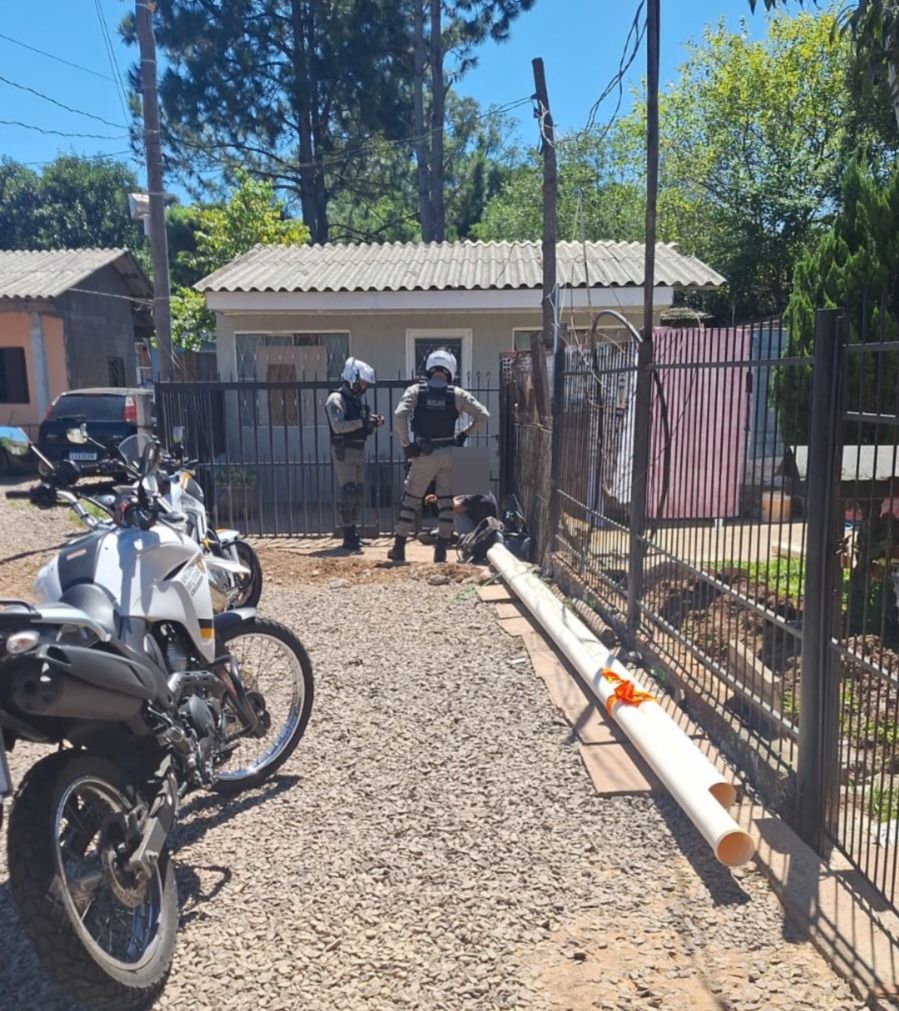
(265, 453)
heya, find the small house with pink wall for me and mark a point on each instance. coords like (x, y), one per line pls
(69, 319)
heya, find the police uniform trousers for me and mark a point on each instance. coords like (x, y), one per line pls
(436, 467)
(350, 471)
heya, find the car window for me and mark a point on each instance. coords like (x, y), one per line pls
(94, 407)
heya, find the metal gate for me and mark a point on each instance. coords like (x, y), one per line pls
(849, 721)
(265, 458)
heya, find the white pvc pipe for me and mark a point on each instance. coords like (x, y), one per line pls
(692, 780)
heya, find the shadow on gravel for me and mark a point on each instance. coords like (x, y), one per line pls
(208, 810)
(723, 888)
(191, 892)
(330, 553)
(21, 977)
(198, 884)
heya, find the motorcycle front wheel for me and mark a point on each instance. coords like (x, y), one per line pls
(277, 676)
(249, 586)
(104, 937)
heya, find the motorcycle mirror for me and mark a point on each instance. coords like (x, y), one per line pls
(78, 434)
(178, 434)
(149, 458)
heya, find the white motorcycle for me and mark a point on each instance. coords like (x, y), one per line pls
(235, 574)
(148, 694)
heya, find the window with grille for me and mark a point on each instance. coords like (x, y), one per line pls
(420, 343)
(336, 345)
(115, 368)
(13, 376)
(287, 358)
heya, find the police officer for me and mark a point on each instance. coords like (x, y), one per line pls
(351, 422)
(433, 407)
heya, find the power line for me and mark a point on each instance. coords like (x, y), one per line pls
(50, 56)
(61, 133)
(61, 105)
(110, 53)
(106, 154)
(632, 42)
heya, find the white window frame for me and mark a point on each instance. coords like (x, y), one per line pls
(432, 333)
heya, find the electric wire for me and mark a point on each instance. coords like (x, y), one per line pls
(113, 63)
(58, 59)
(61, 105)
(61, 133)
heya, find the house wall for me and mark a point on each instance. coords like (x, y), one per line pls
(380, 339)
(40, 335)
(99, 326)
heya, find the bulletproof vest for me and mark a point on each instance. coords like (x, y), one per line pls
(435, 414)
(354, 409)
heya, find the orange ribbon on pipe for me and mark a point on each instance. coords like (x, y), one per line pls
(624, 691)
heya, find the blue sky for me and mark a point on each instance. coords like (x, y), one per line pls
(580, 42)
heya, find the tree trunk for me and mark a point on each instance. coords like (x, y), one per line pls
(438, 95)
(418, 115)
(308, 168)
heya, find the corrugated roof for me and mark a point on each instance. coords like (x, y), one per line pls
(28, 273)
(452, 265)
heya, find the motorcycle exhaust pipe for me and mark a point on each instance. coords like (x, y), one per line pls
(77, 683)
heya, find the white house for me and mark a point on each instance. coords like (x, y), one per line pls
(283, 312)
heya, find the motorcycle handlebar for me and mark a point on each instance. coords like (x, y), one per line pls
(20, 494)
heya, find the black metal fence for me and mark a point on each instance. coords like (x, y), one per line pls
(265, 459)
(756, 566)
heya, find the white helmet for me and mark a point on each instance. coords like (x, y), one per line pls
(354, 369)
(441, 359)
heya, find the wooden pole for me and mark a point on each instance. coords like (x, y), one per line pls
(548, 147)
(162, 309)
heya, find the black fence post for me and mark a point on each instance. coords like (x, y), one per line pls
(639, 480)
(555, 467)
(816, 732)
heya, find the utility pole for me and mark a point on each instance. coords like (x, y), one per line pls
(548, 147)
(162, 308)
(550, 314)
(643, 392)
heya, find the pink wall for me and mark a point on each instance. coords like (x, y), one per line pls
(15, 331)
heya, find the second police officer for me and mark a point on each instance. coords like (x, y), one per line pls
(432, 406)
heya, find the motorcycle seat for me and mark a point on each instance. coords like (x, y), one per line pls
(96, 603)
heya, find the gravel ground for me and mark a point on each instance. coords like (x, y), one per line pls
(434, 842)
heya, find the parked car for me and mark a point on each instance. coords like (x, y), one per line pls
(110, 414)
(14, 450)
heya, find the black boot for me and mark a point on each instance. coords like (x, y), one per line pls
(440, 549)
(398, 552)
(351, 540)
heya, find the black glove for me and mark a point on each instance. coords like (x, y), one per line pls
(43, 496)
(411, 451)
(461, 438)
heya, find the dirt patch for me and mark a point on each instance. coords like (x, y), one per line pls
(284, 563)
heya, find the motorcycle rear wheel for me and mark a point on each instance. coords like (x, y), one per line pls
(273, 665)
(105, 952)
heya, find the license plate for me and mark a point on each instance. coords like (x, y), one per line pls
(82, 456)
(5, 785)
